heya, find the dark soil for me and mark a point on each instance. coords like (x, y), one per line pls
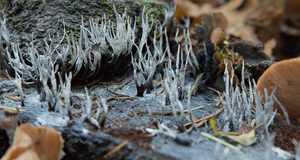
(138, 137)
(285, 134)
(94, 145)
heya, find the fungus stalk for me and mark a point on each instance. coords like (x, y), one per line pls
(171, 89)
(18, 83)
(145, 64)
(239, 103)
(66, 92)
(101, 111)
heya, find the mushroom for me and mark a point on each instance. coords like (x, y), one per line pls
(284, 75)
(36, 143)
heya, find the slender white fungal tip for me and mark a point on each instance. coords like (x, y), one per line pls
(88, 104)
(297, 149)
(239, 102)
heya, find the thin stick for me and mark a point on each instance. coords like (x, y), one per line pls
(15, 99)
(12, 109)
(124, 84)
(113, 122)
(160, 91)
(196, 85)
(212, 89)
(23, 84)
(160, 34)
(118, 94)
(75, 112)
(203, 120)
(61, 102)
(118, 98)
(116, 149)
(158, 83)
(61, 39)
(169, 112)
(220, 100)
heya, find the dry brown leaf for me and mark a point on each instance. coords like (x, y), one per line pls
(189, 9)
(245, 128)
(10, 125)
(220, 19)
(269, 46)
(244, 32)
(35, 143)
(217, 36)
(226, 16)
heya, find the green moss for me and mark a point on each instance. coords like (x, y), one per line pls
(34, 3)
(15, 21)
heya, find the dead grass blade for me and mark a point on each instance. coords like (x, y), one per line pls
(221, 141)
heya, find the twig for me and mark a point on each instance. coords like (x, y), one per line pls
(23, 84)
(158, 84)
(61, 102)
(160, 34)
(124, 84)
(75, 112)
(218, 92)
(116, 149)
(118, 98)
(220, 100)
(12, 109)
(201, 121)
(113, 122)
(169, 112)
(14, 98)
(196, 85)
(61, 39)
(160, 91)
(118, 94)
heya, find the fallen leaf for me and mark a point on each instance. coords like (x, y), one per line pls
(213, 124)
(9, 125)
(269, 46)
(31, 142)
(245, 139)
(217, 36)
(245, 128)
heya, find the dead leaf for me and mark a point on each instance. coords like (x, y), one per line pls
(269, 46)
(245, 128)
(220, 19)
(31, 142)
(213, 124)
(217, 36)
(10, 125)
(245, 139)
